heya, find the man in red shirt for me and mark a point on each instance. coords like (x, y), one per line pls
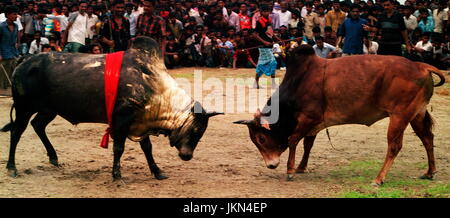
(245, 22)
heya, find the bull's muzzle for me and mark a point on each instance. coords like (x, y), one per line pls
(185, 154)
(272, 164)
(185, 157)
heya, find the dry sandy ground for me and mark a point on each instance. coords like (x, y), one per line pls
(225, 163)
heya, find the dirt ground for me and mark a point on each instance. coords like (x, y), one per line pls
(226, 163)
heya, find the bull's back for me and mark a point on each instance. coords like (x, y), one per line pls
(70, 85)
(366, 88)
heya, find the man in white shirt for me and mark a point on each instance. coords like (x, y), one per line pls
(440, 16)
(92, 20)
(76, 29)
(423, 46)
(322, 48)
(285, 15)
(410, 20)
(132, 18)
(232, 18)
(36, 44)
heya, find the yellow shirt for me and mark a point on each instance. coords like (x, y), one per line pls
(334, 19)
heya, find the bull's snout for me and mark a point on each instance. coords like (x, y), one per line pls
(272, 164)
(185, 157)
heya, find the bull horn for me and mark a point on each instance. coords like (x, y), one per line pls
(244, 122)
(211, 114)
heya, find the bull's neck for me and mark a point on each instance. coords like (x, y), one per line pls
(170, 109)
(169, 106)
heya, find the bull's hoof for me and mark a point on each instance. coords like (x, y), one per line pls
(376, 184)
(117, 176)
(161, 176)
(426, 176)
(290, 177)
(55, 163)
(12, 173)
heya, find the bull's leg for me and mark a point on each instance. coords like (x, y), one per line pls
(39, 124)
(396, 129)
(303, 127)
(308, 142)
(146, 146)
(119, 147)
(19, 126)
(291, 162)
(422, 125)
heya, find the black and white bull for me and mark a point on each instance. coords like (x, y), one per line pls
(149, 102)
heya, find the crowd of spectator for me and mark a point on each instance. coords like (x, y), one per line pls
(221, 33)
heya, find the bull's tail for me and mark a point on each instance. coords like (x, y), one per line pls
(8, 127)
(434, 70)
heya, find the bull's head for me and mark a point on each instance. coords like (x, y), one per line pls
(186, 138)
(269, 142)
(193, 121)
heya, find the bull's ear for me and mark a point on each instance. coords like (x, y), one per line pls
(211, 114)
(245, 122)
(265, 125)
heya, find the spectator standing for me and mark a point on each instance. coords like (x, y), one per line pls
(440, 17)
(426, 22)
(393, 31)
(232, 17)
(115, 33)
(285, 15)
(132, 18)
(335, 17)
(151, 25)
(410, 20)
(320, 19)
(27, 19)
(352, 32)
(245, 22)
(309, 20)
(92, 20)
(295, 20)
(76, 29)
(9, 33)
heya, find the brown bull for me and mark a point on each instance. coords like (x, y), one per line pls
(317, 93)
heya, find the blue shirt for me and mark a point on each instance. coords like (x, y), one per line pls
(353, 32)
(8, 41)
(428, 27)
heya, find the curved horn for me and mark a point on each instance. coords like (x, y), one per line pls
(211, 114)
(245, 122)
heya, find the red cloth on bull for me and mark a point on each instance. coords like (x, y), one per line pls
(113, 64)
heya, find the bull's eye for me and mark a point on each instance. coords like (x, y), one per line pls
(261, 139)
